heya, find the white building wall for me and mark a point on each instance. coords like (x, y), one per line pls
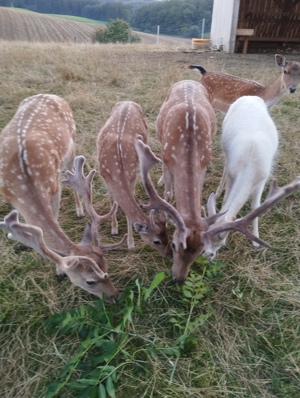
(224, 24)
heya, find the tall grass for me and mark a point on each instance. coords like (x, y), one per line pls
(240, 334)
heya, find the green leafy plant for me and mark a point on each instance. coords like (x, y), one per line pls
(116, 31)
(109, 342)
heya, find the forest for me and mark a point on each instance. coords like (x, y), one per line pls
(183, 18)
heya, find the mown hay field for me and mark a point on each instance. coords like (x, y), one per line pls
(240, 336)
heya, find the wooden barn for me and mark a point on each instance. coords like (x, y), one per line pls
(250, 25)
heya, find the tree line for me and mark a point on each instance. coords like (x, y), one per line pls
(175, 17)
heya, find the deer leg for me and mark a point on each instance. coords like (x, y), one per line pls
(55, 203)
(130, 239)
(78, 204)
(256, 199)
(222, 183)
(168, 179)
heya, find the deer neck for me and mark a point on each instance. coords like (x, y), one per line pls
(272, 94)
(188, 196)
(122, 194)
(39, 213)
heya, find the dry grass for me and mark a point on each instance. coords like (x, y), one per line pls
(250, 346)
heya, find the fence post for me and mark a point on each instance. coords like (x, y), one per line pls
(203, 26)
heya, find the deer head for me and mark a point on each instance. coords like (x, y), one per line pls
(82, 271)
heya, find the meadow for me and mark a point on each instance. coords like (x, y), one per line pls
(231, 331)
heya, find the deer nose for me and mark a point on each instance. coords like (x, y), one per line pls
(209, 255)
(292, 90)
(114, 298)
(179, 279)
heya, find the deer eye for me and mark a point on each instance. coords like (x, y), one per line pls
(156, 242)
(173, 246)
(285, 72)
(91, 283)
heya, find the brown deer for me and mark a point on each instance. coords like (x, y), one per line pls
(223, 89)
(184, 256)
(35, 146)
(118, 167)
(186, 125)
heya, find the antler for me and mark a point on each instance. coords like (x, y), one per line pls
(32, 236)
(275, 195)
(147, 159)
(83, 185)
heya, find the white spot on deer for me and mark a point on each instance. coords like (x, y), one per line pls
(186, 120)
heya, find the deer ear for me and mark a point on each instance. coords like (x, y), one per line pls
(87, 234)
(280, 60)
(140, 228)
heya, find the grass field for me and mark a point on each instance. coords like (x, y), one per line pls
(231, 332)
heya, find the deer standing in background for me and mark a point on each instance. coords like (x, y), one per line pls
(223, 89)
(35, 146)
(250, 142)
(118, 167)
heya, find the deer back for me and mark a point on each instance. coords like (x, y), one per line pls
(35, 145)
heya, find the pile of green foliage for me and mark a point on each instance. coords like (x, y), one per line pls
(116, 31)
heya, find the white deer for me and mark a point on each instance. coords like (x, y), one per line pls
(223, 89)
(186, 126)
(250, 142)
(35, 146)
(118, 167)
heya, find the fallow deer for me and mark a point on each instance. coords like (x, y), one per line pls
(118, 167)
(250, 142)
(186, 125)
(147, 159)
(35, 146)
(223, 89)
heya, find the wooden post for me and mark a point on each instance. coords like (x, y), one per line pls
(245, 34)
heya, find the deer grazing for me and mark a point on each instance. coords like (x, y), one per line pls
(223, 89)
(118, 167)
(186, 126)
(250, 142)
(35, 146)
(147, 160)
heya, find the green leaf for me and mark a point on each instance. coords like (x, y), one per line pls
(110, 388)
(156, 281)
(101, 391)
(187, 293)
(52, 389)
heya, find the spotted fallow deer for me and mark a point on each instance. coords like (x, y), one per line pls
(223, 89)
(186, 125)
(118, 164)
(35, 146)
(250, 142)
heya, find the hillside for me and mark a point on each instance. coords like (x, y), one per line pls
(16, 24)
(31, 26)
